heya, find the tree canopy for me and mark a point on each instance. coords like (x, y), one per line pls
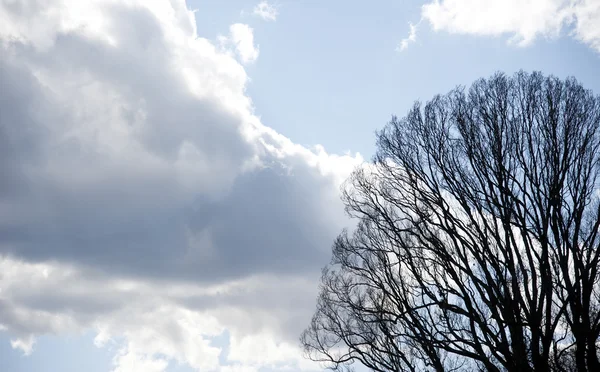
(477, 239)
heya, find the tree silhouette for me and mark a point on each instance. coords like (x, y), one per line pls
(477, 239)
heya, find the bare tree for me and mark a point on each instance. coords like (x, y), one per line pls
(477, 242)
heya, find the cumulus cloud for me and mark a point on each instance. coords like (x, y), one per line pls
(411, 38)
(266, 11)
(141, 197)
(525, 21)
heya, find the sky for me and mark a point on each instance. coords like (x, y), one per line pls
(171, 170)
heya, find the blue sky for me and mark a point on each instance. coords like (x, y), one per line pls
(171, 178)
(325, 67)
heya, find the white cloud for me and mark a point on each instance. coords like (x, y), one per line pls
(141, 197)
(23, 344)
(525, 20)
(587, 27)
(160, 321)
(127, 361)
(241, 38)
(266, 11)
(411, 38)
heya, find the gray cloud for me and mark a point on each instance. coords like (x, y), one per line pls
(136, 178)
(82, 204)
